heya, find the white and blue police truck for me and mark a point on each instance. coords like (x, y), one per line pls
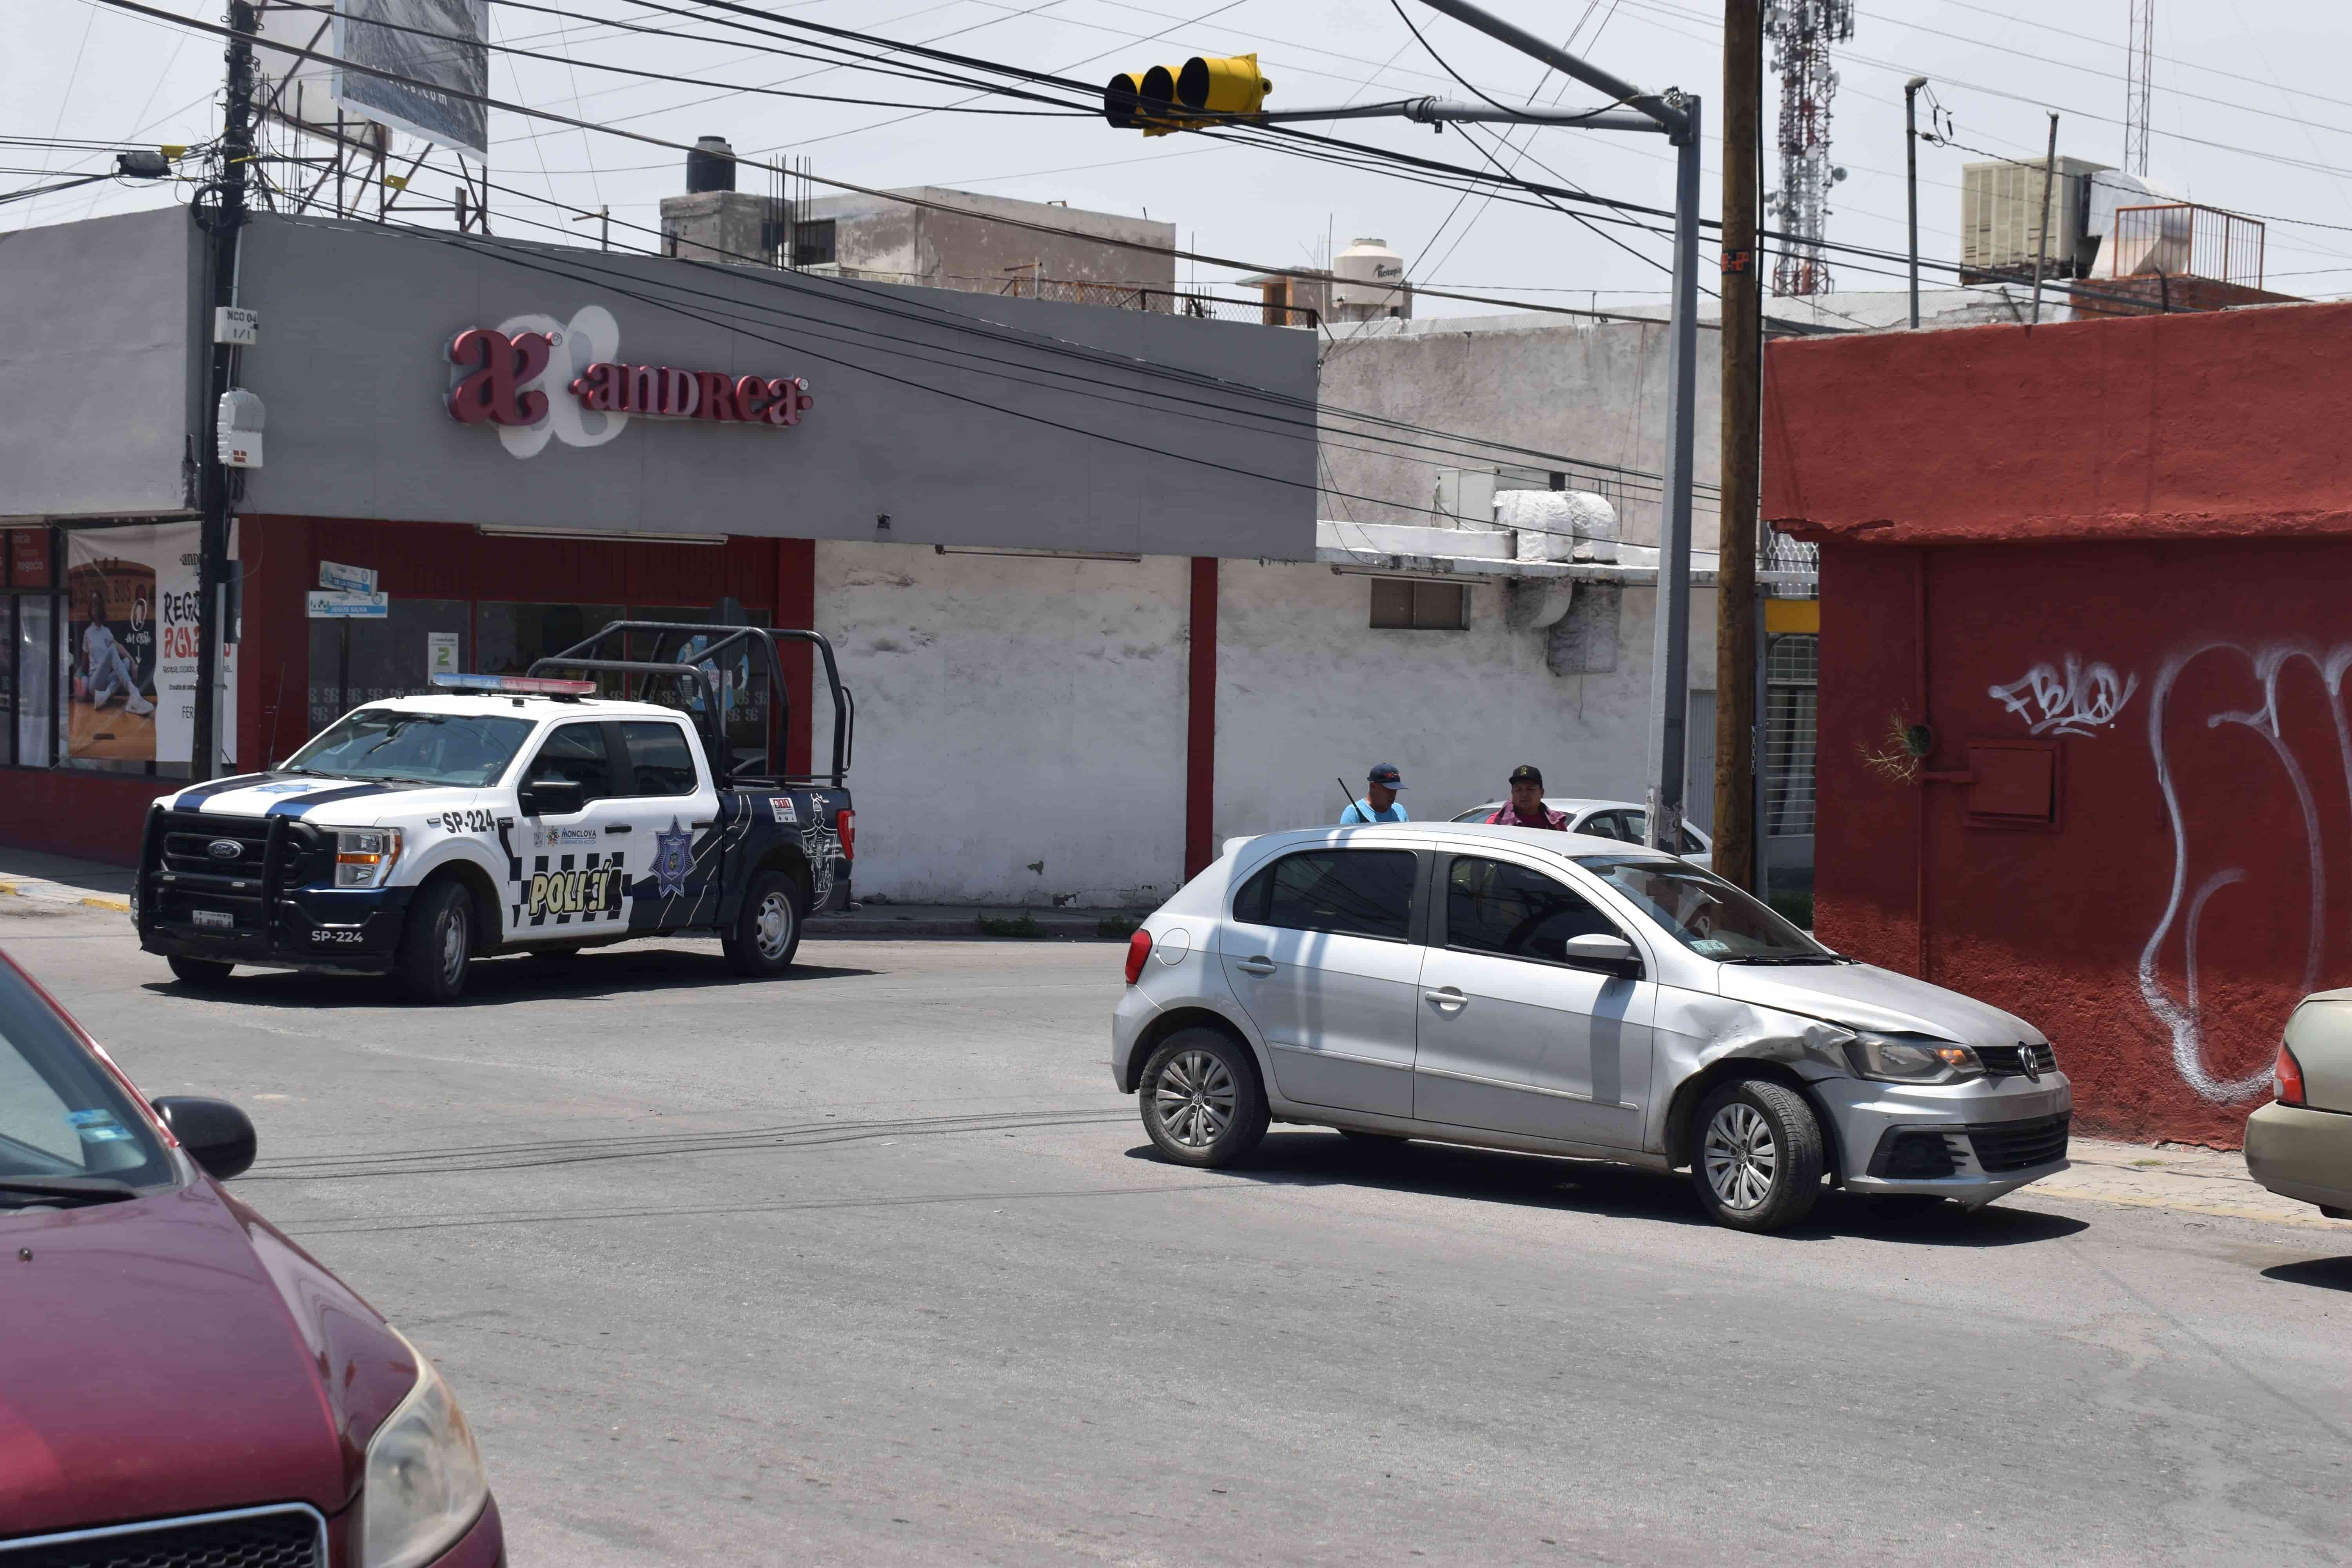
(595, 800)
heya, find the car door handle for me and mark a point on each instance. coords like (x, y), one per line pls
(618, 827)
(1448, 996)
(1260, 966)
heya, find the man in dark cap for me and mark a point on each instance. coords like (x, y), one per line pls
(1525, 807)
(1379, 803)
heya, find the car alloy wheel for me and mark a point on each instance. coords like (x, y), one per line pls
(1196, 1098)
(1742, 1157)
(455, 944)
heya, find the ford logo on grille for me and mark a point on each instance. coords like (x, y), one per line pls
(224, 850)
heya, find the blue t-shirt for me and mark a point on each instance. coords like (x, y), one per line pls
(1360, 814)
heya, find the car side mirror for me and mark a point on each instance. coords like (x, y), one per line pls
(217, 1135)
(554, 797)
(1607, 954)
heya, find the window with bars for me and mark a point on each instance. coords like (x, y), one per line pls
(1400, 604)
(1792, 683)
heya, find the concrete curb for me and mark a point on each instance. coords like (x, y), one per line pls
(1008, 926)
(41, 897)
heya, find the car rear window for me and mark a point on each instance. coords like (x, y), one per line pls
(1349, 892)
(61, 1113)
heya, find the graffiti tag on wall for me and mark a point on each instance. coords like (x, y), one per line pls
(2078, 700)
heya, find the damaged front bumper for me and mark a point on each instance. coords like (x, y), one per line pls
(1972, 1141)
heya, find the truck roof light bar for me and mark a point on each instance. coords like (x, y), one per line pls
(534, 685)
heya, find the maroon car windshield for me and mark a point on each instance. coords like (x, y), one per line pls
(61, 1113)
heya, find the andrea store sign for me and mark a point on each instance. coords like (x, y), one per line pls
(534, 379)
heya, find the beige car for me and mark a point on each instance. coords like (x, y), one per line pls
(2300, 1145)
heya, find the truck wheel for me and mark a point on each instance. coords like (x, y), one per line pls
(437, 943)
(1200, 1100)
(204, 974)
(768, 930)
(1758, 1162)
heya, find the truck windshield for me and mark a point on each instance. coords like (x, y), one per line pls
(460, 749)
(1706, 913)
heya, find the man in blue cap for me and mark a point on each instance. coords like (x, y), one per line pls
(1379, 803)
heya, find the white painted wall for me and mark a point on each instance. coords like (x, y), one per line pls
(1307, 691)
(1021, 724)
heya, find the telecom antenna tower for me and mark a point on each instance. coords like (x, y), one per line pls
(2140, 83)
(1802, 32)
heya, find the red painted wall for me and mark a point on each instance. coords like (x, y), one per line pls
(2124, 539)
(96, 817)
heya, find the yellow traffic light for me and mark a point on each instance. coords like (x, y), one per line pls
(1153, 101)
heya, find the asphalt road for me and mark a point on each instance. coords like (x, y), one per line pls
(871, 1266)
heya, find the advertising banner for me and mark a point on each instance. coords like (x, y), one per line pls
(441, 42)
(130, 607)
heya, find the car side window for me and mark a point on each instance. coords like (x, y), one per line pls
(1637, 831)
(576, 752)
(658, 757)
(1603, 824)
(1511, 911)
(1348, 892)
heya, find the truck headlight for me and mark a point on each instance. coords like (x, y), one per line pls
(425, 1486)
(1897, 1059)
(364, 855)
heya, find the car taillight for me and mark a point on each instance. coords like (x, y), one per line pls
(1139, 948)
(844, 823)
(2286, 1076)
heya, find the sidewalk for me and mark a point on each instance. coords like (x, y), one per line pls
(881, 920)
(33, 882)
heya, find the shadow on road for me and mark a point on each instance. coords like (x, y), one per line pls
(1592, 1187)
(2327, 1273)
(502, 982)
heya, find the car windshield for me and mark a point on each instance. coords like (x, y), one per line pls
(462, 748)
(62, 1113)
(1706, 913)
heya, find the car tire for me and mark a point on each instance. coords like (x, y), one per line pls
(437, 943)
(1201, 1100)
(767, 931)
(1756, 1155)
(204, 974)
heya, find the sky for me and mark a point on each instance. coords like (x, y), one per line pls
(2250, 112)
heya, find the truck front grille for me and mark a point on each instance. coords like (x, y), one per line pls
(256, 1537)
(2003, 1146)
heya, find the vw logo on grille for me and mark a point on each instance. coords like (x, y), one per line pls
(2025, 1059)
(224, 850)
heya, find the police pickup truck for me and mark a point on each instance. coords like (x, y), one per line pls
(507, 814)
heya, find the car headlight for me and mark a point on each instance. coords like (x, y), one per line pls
(364, 855)
(425, 1486)
(1898, 1060)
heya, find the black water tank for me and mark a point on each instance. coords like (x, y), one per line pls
(710, 165)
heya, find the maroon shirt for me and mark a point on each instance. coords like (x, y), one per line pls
(1545, 817)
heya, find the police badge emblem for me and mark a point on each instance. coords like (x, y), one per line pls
(673, 858)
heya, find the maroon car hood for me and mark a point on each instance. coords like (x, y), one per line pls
(174, 1355)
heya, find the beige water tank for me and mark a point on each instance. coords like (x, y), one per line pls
(1368, 282)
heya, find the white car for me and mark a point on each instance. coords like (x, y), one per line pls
(1619, 819)
(1561, 993)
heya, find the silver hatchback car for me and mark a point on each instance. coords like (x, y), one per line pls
(1566, 995)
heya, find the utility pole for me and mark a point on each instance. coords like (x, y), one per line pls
(2042, 242)
(1668, 747)
(1736, 632)
(1911, 180)
(221, 220)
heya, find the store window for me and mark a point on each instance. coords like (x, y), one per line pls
(511, 635)
(29, 657)
(741, 679)
(355, 661)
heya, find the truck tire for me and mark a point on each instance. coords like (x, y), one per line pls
(1757, 1156)
(767, 931)
(1200, 1100)
(437, 943)
(204, 974)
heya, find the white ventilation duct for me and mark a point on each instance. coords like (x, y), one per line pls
(1560, 525)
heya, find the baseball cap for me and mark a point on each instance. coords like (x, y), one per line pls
(1529, 773)
(1386, 773)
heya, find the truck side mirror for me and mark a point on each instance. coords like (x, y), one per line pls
(552, 797)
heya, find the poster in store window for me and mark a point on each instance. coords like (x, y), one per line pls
(130, 643)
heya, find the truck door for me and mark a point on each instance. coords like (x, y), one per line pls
(575, 867)
(674, 806)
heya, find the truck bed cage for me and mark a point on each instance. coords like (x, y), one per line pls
(583, 655)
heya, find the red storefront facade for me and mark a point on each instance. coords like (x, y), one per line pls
(2085, 743)
(507, 598)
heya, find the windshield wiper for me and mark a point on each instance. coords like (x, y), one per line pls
(1786, 958)
(82, 1189)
